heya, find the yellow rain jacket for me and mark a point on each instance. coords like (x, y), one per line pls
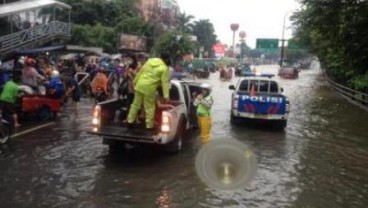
(153, 73)
(204, 117)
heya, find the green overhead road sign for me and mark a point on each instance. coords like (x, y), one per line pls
(270, 46)
(267, 44)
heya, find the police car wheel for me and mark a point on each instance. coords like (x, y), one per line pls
(234, 120)
(281, 124)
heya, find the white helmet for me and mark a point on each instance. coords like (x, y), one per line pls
(206, 86)
(55, 74)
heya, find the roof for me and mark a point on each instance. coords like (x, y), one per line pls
(256, 78)
(22, 6)
(96, 50)
(39, 50)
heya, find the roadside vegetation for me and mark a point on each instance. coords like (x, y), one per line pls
(99, 23)
(336, 32)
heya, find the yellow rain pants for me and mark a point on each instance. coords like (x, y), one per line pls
(149, 105)
(204, 124)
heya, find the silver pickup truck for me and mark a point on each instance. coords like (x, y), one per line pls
(108, 116)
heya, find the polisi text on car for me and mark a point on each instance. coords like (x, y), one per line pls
(262, 99)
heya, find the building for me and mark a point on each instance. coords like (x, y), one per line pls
(159, 11)
(8, 1)
(148, 9)
(23, 26)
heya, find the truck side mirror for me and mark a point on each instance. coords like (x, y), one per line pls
(231, 87)
(282, 89)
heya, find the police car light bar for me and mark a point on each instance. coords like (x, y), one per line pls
(267, 75)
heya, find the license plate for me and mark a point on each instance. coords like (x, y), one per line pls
(260, 116)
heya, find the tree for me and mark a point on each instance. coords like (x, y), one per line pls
(98, 35)
(335, 31)
(108, 13)
(137, 26)
(175, 43)
(99, 22)
(183, 23)
(205, 33)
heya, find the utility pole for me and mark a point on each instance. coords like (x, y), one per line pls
(283, 41)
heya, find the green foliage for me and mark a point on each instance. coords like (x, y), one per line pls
(136, 26)
(359, 83)
(133, 25)
(205, 33)
(98, 35)
(108, 13)
(293, 56)
(99, 23)
(336, 31)
(226, 61)
(183, 23)
(175, 43)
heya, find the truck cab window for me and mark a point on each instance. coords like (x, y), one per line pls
(273, 87)
(244, 86)
(174, 93)
(263, 86)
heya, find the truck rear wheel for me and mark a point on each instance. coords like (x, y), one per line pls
(114, 146)
(177, 144)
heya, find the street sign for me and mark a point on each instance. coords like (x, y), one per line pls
(267, 44)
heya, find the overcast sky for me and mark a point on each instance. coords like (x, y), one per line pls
(258, 18)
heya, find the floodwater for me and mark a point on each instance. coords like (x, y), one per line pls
(320, 160)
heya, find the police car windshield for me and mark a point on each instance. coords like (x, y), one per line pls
(260, 86)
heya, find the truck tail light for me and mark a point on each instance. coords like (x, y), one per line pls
(165, 126)
(235, 101)
(96, 117)
(287, 106)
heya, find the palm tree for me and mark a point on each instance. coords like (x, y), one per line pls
(205, 33)
(183, 23)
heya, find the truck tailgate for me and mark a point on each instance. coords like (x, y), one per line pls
(262, 104)
(125, 134)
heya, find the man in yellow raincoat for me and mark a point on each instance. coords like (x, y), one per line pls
(204, 103)
(154, 73)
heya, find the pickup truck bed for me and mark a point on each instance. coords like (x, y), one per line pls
(108, 117)
(125, 134)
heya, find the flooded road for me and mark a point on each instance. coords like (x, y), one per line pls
(320, 160)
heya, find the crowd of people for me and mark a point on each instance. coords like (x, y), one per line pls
(142, 83)
(32, 76)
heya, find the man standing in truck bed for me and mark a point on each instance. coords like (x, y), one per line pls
(154, 73)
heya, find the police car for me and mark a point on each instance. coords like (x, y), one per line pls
(259, 97)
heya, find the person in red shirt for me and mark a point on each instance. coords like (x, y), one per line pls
(100, 81)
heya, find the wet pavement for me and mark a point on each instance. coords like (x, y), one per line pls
(320, 160)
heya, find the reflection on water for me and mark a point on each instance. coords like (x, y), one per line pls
(320, 160)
